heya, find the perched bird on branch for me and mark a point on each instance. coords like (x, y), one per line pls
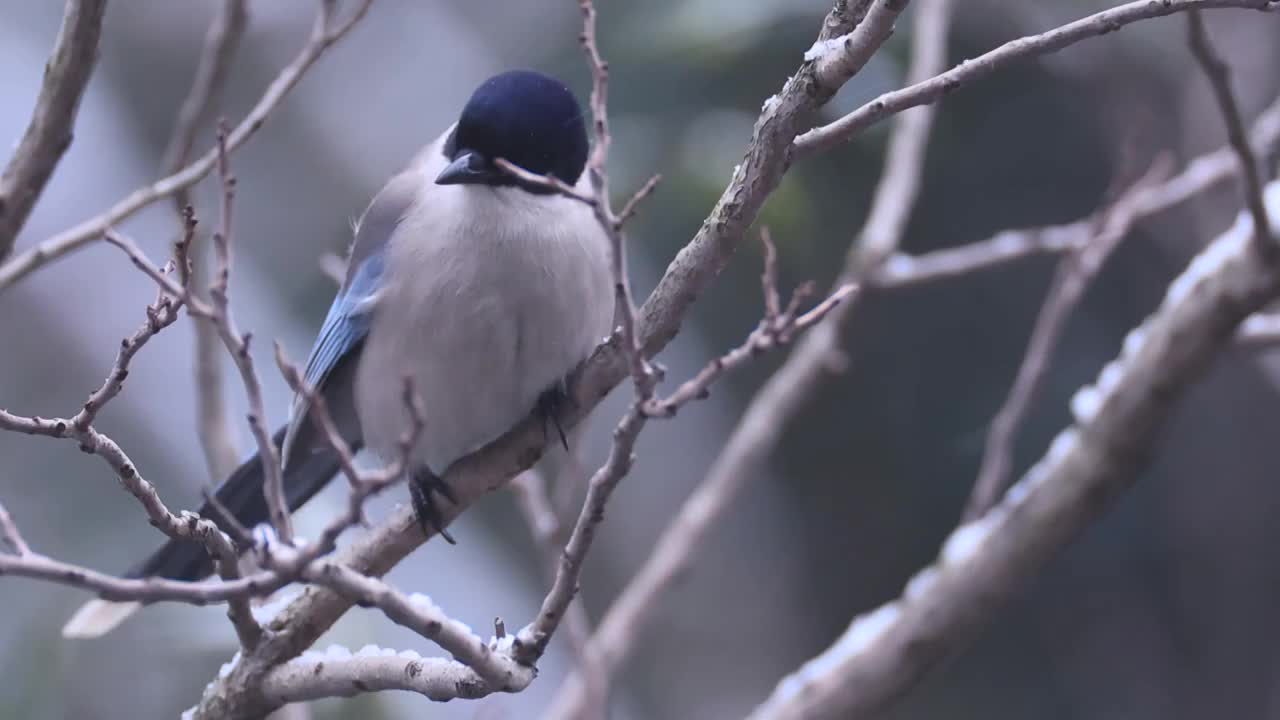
(485, 290)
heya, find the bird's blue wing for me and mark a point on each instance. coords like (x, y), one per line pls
(347, 323)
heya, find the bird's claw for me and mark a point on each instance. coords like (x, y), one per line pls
(550, 403)
(422, 485)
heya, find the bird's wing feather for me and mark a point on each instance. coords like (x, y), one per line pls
(347, 323)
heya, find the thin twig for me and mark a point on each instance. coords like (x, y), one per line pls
(632, 206)
(227, 562)
(48, 135)
(10, 534)
(777, 329)
(184, 526)
(237, 345)
(534, 500)
(327, 31)
(144, 590)
(1219, 75)
(846, 128)
(1074, 276)
(363, 485)
(1201, 174)
(213, 422)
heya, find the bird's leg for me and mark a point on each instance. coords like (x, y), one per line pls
(422, 484)
(550, 403)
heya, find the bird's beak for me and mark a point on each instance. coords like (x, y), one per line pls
(469, 168)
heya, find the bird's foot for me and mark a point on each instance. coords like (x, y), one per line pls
(423, 486)
(550, 403)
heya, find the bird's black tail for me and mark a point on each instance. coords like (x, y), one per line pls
(241, 496)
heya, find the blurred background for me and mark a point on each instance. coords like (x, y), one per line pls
(1165, 609)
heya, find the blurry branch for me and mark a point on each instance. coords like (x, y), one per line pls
(213, 425)
(1074, 275)
(787, 390)
(1219, 75)
(328, 30)
(221, 42)
(48, 135)
(899, 186)
(1076, 271)
(885, 652)
(846, 128)
(1201, 174)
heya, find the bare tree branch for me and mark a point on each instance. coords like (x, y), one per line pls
(318, 675)
(922, 93)
(10, 534)
(767, 158)
(327, 31)
(1219, 75)
(160, 315)
(418, 613)
(1074, 276)
(48, 135)
(213, 423)
(1201, 174)
(885, 652)
(145, 590)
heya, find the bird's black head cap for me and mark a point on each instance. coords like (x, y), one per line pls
(524, 117)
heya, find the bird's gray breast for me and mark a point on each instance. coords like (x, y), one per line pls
(484, 319)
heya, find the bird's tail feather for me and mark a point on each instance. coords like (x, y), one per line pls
(98, 617)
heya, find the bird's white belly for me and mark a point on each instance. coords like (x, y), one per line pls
(483, 342)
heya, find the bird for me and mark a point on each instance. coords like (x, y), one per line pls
(485, 290)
